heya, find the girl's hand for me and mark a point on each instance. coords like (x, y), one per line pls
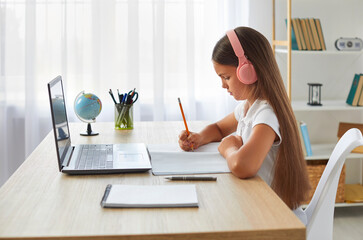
(230, 144)
(191, 142)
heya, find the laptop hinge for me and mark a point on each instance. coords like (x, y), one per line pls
(68, 157)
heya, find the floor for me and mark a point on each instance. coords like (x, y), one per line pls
(348, 223)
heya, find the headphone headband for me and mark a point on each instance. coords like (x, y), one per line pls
(236, 44)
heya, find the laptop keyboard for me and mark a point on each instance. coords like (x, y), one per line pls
(98, 156)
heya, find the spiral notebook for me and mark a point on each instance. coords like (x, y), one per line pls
(149, 196)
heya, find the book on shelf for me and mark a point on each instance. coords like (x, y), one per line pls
(295, 42)
(306, 138)
(305, 33)
(360, 100)
(310, 34)
(358, 91)
(320, 33)
(315, 33)
(300, 33)
(301, 139)
(355, 90)
(345, 126)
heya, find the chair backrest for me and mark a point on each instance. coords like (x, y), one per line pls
(320, 211)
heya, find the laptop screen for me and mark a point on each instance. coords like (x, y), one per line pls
(59, 118)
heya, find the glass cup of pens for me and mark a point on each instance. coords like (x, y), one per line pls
(124, 111)
(124, 117)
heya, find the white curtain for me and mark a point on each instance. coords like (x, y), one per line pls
(160, 47)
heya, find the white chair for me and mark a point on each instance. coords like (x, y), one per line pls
(319, 214)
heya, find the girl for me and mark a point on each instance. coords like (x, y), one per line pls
(267, 140)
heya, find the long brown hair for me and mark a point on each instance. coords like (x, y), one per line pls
(290, 181)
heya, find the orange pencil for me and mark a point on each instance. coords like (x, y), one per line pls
(185, 122)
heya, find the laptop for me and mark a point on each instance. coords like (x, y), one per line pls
(90, 158)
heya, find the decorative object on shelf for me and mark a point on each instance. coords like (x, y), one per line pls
(315, 94)
(349, 44)
(87, 107)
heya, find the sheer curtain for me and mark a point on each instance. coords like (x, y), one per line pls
(160, 47)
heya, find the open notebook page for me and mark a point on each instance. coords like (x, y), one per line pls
(169, 159)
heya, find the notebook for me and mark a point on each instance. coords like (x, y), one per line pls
(149, 196)
(90, 158)
(169, 159)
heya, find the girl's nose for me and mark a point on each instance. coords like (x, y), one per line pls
(224, 85)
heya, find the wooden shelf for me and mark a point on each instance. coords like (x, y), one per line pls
(323, 53)
(323, 152)
(348, 204)
(342, 205)
(329, 105)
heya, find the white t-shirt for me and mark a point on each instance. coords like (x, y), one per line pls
(259, 113)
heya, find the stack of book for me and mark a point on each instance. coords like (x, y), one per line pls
(307, 34)
(355, 96)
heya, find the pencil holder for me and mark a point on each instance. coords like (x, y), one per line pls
(124, 116)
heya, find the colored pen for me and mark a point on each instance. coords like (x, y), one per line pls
(119, 95)
(185, 122)
(113, 98)
(192, 178)
(129, 99)
(124, 98)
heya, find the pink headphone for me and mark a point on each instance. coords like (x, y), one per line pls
(245, 71)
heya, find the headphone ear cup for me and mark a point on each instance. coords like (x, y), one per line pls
(238, 72)
(247, 74)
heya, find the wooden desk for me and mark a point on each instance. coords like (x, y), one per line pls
(40, 202)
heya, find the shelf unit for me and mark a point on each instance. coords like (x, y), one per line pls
(286, 43)
(320, 151)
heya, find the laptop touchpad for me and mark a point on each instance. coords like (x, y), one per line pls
(129, 160)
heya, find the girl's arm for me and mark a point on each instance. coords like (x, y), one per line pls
(245, 159)
(214, 132)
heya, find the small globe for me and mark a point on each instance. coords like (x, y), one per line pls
(87, 107)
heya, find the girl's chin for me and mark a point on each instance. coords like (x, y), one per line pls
(238, 98)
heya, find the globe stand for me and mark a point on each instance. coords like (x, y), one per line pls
(89, 131)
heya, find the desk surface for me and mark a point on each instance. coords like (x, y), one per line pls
(38, 201)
